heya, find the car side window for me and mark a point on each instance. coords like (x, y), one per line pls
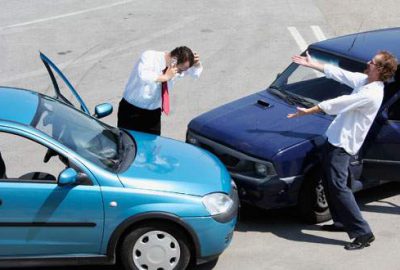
(392, 88)
(394, 111)
(23, 160)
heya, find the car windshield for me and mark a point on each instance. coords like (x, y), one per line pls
(305, 86)
(93, 140)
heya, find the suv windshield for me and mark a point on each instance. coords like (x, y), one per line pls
(93, 140)
(298, 84)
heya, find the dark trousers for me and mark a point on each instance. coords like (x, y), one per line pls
(341, 201)
(135, 118)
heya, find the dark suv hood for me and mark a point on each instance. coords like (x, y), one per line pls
(256, 129)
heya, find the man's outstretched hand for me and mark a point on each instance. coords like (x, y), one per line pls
(307, 61)
(300, 112)
(304, 111)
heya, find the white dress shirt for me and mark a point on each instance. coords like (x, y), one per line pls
(142, 90)
(355, 112)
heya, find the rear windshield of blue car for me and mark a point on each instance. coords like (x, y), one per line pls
(307, 86)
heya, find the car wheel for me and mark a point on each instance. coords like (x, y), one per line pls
(156, 246)
(312, 204)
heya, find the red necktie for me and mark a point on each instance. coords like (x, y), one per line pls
(165, 96)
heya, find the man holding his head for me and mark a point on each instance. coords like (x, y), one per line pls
(146, 94)
(355, 114)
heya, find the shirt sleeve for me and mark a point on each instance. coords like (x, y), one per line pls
(351, 79)
(146, 69)
(344, 103)
(194, 71)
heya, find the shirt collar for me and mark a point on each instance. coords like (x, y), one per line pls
(375, 82)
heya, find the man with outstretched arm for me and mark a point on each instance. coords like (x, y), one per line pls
(355, 114)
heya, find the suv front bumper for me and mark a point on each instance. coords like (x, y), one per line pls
(266, 192)
(274, 193)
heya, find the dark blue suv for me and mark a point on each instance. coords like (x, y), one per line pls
(275, 161)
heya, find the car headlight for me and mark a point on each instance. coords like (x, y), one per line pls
(264, 169)
(261, 169)
(217, 203)
(191, 139)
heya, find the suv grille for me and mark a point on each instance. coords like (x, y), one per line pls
(230, 161)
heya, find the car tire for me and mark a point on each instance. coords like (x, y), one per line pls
(312, 203)
(155, 246)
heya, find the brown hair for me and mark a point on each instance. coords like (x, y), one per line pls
(387, 64)
(183, 54)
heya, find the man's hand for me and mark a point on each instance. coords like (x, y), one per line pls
(303, 60)
(170, 72)
(300, 112)
(308, 62)
(303, 111)
(196, 60)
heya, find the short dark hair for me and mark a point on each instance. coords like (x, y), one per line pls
(183, 54)
(387, 64)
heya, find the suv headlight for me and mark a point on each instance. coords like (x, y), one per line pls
(217, 203)
(191, 139)
(261, 169)
(264, 169)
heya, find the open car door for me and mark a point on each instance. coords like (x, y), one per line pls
(61, 86)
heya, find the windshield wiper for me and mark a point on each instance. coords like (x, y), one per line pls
(282, 94)
(300, 100)
(290, 98)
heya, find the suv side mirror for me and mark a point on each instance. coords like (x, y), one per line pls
(102, 110)
(67, 177)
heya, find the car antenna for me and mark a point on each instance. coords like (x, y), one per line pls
(352, 44)
(355, 38)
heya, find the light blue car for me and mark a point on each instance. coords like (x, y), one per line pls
(152, 202)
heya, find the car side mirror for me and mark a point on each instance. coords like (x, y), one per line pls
(103, 110)
(67, 177)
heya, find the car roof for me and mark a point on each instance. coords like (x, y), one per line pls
(362, 46)
(18, 105)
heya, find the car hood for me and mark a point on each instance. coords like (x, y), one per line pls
(259, 130)
(164, 164)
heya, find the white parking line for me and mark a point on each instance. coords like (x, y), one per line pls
(66, 15)
(298, 38)
(318, 32)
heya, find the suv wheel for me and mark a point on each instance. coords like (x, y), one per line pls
(313, 206)
(155, 246)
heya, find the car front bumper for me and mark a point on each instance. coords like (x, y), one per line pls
(213, 236)
(268, 192)
(272, 193)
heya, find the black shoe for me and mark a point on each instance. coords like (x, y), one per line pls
(332, 228)
(361, 242)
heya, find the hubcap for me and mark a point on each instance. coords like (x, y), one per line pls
(321, 199)
(156, 250)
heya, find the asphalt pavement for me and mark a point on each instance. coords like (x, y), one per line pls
(243, 45)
